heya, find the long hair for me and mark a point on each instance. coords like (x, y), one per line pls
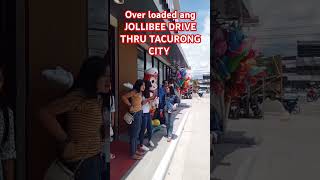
(172, 91)
(147, 91)
(4, 107)
(91, 70)
(137, 85)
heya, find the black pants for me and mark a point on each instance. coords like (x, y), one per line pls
(90, 168)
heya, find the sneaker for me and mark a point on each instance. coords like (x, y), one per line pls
(169, 139)
(144, 148)
(169, 111)
(151, 144)
(163, 125)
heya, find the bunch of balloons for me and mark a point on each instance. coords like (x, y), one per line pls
(235, 60)
(183, 79)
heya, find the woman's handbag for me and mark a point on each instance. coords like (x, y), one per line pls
(58, 171)
(128, 117)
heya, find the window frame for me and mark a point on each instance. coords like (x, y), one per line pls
(146, 54)
(140, 48)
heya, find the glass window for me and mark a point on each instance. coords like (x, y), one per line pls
(165, 72)
(161, 72)
(148, 61)
(155, 63)
(140, 63)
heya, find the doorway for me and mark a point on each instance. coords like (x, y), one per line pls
(114, 72)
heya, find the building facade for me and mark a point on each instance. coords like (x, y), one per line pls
(132, 59)
(303, 70)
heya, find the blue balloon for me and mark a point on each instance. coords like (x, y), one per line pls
(235, 39)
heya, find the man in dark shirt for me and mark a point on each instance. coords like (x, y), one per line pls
(162, 93)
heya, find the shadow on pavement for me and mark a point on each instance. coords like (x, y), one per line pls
(231, 142)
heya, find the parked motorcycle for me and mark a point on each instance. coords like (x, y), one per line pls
(244, 107)
(187, 95)
(234, 112)
(312, 96)
(291, 105)
(254, 105)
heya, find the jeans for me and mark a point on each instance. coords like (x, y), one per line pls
(106, 171)
(146, 124)
(90, 169)
(169, 123)
(134, 130)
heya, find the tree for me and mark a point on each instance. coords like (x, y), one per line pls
(195, 85)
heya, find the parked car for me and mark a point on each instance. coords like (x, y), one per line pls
(291, 105)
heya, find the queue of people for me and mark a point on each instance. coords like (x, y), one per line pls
(139, 103)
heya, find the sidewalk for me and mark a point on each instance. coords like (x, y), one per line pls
(125, 168)
(191, 159)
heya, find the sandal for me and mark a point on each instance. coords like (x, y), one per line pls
(140, 153)
(136, 157)
(112, 156)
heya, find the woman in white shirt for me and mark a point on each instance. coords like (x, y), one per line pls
(146, 117)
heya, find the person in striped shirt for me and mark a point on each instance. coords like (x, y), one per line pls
(85, 132)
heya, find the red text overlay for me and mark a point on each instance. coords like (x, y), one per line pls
(160, 28)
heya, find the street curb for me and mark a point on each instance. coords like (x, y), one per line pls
(163, 166)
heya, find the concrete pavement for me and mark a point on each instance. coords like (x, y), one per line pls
(270, 148)
(191, 159)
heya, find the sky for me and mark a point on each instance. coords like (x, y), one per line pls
(198, 55)
(283, 23)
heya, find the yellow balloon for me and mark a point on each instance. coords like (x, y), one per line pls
(156, 122)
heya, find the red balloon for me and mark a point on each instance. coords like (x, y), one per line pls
(253, 81)
(251, 54)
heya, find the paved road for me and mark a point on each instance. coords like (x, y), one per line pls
(191, 159)
(271, 149)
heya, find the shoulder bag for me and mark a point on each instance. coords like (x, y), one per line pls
(58, 171)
